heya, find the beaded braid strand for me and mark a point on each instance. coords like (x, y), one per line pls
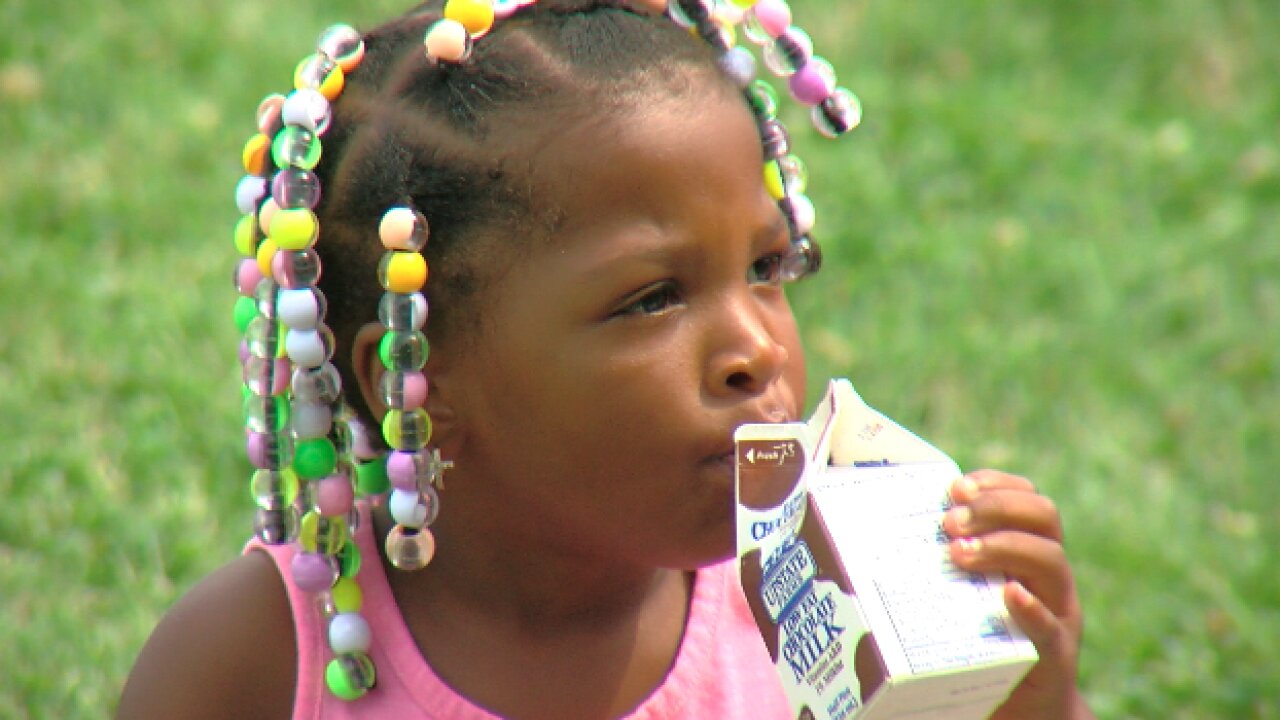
(297, 432)
(297, 435)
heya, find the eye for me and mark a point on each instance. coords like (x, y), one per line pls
(766, 270)
(653, 300)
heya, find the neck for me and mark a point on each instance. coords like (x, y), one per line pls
(532, 631)
(536, 589)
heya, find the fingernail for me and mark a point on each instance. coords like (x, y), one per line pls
(961, 517)
(970, 546)
(965, 488)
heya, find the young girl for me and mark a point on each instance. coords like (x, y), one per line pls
(606, 307)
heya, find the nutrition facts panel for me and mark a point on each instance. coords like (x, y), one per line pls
(885, 521)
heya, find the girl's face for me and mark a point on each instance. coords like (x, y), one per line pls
(595, 410)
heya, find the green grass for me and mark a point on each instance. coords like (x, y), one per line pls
(1052, 248)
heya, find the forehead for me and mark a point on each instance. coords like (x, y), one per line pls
(655, 155)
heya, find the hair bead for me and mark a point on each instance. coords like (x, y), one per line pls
(813, 82)
(447, 40)
(320, 72)
(403, 228)
(254, 156)
(344, 44)
(838, 114)
(476, 16)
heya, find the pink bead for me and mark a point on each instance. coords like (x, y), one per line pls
(248, 275)
(415, 390)
(312, 572)
(334, 495)
(774, 16)
(812, 83)
(447, 41)
(402, 471)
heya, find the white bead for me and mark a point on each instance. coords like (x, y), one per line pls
(349, 633)
(249, 192)
(306, 108)
(311, 420)
(406, 510)
(803, 213)
(299, 309)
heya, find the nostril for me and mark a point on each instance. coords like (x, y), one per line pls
(739, 381)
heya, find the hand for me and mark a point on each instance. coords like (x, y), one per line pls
(999, 523)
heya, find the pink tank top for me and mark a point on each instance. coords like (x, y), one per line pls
(722, 669)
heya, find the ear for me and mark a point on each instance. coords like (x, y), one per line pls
(368, 369)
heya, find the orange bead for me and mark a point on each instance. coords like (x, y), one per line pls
(255, 154)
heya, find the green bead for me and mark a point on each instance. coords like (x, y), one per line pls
(315, 458)
(371, 477)
(350, 676)
(763, 98)
(404, 351)
(296, 147)
(246, 310)
(349, 559)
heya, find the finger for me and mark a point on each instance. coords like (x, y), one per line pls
(1035, 619)
(979, 480)
(1039, 563)
(994, 510)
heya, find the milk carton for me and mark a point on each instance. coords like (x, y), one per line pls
(845, 567)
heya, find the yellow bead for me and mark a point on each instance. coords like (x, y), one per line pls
(744, 4)
(346, 595)
(247, 236)
(333, 85)
(475, 15)
(266, 252)
(317, 533)
(404, 272)
(294, 228)
(773, 180)
(255, 154)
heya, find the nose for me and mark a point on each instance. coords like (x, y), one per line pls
(747, 354)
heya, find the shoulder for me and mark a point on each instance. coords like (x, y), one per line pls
(225, 649)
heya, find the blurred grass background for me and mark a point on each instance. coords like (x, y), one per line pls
(1052, 248)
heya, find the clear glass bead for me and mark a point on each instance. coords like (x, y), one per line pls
(296, 268)
(341, 42)
(403, 351)
(266, 376)
(399, 311)
(320, 384)
(295, 188)
(274, 489)
(838, 114)
(795, 174)
(264, 337)
(410, 549)
(775, 139)
(297, 147)
(406, 429)
(403, 390)
(266, 414)
(788, 52)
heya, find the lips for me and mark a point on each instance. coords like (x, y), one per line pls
(726, 452)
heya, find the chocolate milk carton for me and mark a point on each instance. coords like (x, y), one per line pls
(845, 567)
